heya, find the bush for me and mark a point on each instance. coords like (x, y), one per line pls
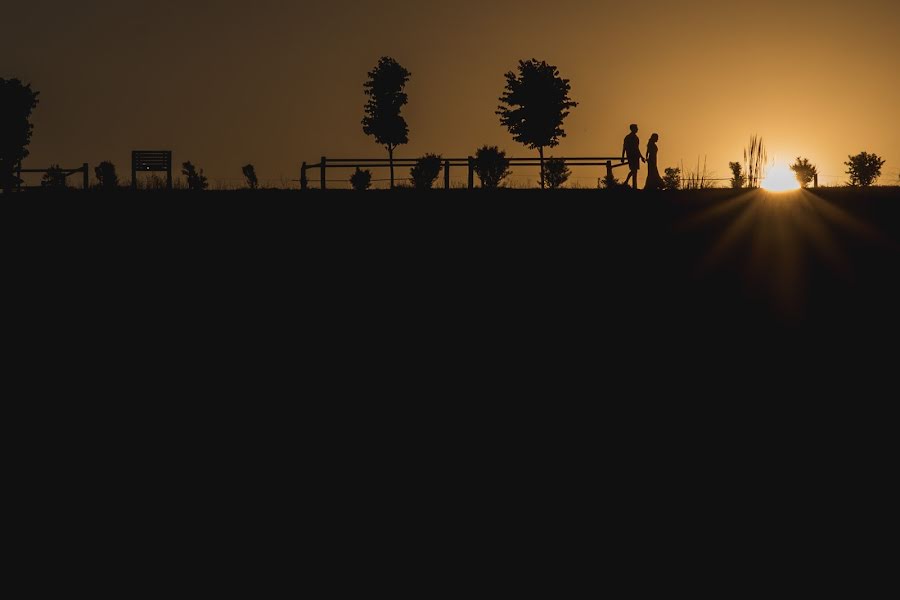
(196, 182)
(864, 169)
(54, 179)
(361, 180)
(491, 166)
(672, 179)
(556, 173)
(250, 175)
(426, 172)
(804, 171)
(738, 179)
(106, 175)
(609, 182)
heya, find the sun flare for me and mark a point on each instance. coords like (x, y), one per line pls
(780, 178)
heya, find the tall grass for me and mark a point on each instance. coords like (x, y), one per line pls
(697, 179)
(755, 158)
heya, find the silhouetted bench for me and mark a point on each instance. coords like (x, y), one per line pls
(151, 161)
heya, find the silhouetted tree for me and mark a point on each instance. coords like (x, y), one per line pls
(54, 179)
(196, 182)
(386, 98)
(534, 106)
(426, 171)
(672, 179)
(804, 171)
(557, 173)
(17, 102)
(250, 175)
(738, 179)
(106, 175)
(361, 180)
(864, 169)
(491, 166)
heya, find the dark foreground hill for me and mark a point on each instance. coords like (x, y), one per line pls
(644, 273)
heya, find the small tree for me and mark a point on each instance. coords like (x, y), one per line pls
(361, 180)
(106, 175)
(250, 175)
(491, 166)
(54, 178)
(426, 171)
(386, 98)
(609, 182)
(738, 179)
(196, 182)
(535, 105)
(804, 171)
(672, 179)
(864, 169)
(558, 173)
(17, 102)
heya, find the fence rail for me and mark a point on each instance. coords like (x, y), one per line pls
(83, 169)
(468, 163)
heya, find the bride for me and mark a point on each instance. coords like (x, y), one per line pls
(654, 181)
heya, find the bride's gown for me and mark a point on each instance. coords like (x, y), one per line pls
(654, 181)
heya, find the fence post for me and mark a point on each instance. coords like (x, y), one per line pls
(304, 182)
(84, 170)
(446, 174)
(133, 173)
(609, 173)
(322, 168)
(471, 173)
(816, 180)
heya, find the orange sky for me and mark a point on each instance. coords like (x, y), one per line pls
(282, 83)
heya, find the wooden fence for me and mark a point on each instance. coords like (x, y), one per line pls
(83, 169)
(467, 163)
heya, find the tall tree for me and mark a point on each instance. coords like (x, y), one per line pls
(534, 105)
(864, 169)
(386, 98)
(17, 101)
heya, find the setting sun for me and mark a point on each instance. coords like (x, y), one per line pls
(780, 179)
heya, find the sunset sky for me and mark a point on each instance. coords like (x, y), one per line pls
(223, 83)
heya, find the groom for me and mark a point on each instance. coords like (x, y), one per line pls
(632, 151)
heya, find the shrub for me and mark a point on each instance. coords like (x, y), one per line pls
(672, 179)
(804, 171)
(738, 179)
(609, 182)
(491, 166)
(426, 171)
(864, 169)
(106, 175)
(196, 182)
(250, 175)
(556, 173)
(361, 180)
(54, 179)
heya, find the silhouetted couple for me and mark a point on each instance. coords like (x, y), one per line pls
(631, 151)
